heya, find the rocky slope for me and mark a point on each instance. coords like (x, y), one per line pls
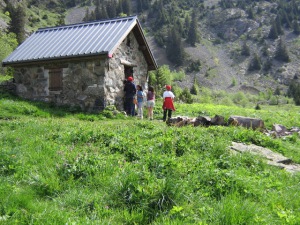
(222, 34)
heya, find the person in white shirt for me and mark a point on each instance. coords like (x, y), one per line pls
(168, 105)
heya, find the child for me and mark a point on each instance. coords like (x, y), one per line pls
(150, 102)
(168, 105)
(140, 100)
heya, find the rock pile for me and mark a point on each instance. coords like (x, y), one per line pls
(247, 122)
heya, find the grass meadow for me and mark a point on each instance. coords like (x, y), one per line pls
(64, 167)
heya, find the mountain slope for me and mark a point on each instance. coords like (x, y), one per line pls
(223, 32)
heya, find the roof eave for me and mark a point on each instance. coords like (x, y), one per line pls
(18, 63)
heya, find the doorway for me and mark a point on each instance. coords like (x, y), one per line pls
(128, 71)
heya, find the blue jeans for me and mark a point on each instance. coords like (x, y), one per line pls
(129, 106)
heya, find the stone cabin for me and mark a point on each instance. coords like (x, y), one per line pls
(82, 64)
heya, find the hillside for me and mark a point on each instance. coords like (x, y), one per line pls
(63, 167)
(222, 33)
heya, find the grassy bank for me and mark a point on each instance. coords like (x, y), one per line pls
(62, 167)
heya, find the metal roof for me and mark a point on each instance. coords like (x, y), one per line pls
(79, 40)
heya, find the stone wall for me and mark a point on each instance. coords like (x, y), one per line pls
(82, 84)
(89, 84)
(131, 54)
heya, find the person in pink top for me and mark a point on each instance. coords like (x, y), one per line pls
(150, 102)
(168, 105)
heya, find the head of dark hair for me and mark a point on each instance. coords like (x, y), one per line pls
(151, 89)
(140, 87)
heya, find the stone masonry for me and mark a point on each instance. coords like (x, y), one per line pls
(90, 84)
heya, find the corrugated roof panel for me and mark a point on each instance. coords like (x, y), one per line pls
(61, 46)
(120, 32)
(44, 51)
(95, 37)
(72, 40)
(67, 45)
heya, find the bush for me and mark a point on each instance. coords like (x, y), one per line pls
(186, 96)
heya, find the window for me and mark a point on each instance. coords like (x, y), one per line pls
(55, 79)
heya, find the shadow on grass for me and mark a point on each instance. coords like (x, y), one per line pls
(18, 106)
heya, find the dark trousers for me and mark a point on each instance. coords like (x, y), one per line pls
(169, 112)
(129, 106)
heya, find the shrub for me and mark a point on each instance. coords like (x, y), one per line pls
(186, 96)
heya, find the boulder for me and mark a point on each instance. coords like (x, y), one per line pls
(247, 122)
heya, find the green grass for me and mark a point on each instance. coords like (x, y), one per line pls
(66, 167)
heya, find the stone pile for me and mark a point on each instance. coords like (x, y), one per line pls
(247, 122)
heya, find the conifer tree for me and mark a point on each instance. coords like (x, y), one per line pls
(296, 27)
(282, 52)
(111, 8)
(193, 33)
(245, 50)
(250, 13)
(187, 22)
(103, 12)
(17, 24)
(119, 7)
(273, 34)
(255, 63)
(126, 4)
(98, 10)
(294, 92)
(278, 25)
(195, 88)
(174, 49)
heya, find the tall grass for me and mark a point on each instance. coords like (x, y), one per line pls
(63, 167)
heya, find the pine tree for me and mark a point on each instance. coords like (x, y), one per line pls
(286, 20)
(103, 13)
(250, 13)
(17, 24)
(278, 25)
(193, 33)
(186, 96)
(111, 8)
(273, 34)
(294, 92)
(282, 52)
(187, 22)
(119, 7)
(142, 5)
(245, 50)
(174, 49)
(195, 88)
(126, 4)
(296, 27)
(255, 63)
(98, 11)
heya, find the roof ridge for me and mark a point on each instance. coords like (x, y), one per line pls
(88, 23)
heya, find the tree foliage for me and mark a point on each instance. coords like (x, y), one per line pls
(193, 30)
(18, 20)
(174, 49)
(185, 96)
(294, 92)
(282, 52)
(255, 63)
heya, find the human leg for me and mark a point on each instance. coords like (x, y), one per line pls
(127, 106)
(140, 110)
(131, 107)
(165, 115)
(169, 113)
(151, 113)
